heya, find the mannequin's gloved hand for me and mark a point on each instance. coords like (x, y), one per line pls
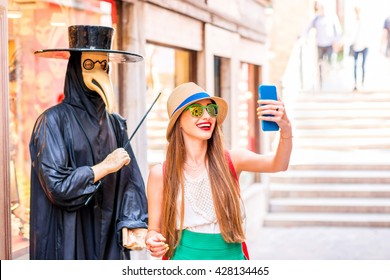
(134, 239)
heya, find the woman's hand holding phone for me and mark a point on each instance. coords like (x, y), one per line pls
(272, 112)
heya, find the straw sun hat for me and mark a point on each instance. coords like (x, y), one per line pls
(187, 94)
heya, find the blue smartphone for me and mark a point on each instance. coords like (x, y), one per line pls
(268, 92)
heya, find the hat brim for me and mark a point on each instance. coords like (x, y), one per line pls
(222, 112)
(113, 55)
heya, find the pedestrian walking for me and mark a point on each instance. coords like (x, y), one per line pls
(328, 31)
(360, 46)
(386, 37)
(328, 37)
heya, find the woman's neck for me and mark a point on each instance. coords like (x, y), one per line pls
(196, 152)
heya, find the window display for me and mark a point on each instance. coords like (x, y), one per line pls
(247, 98)
(35, 85)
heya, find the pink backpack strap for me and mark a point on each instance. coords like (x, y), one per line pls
(231, 166)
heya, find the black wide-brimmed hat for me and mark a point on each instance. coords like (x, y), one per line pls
(89, 38)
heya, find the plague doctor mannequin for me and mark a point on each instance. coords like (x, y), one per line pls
(87, 195)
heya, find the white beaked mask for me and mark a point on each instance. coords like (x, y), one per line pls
(95, 75)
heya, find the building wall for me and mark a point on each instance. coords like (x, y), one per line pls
(288, 22)
(233, 30)
(171, 28)
(131, 85)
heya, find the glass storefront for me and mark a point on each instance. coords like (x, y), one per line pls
(248, 124)
(244, 98)
(165, 69)
(36, 84)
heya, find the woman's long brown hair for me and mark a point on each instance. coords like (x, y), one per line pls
(224, 187)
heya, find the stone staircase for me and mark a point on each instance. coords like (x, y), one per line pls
(340, 166)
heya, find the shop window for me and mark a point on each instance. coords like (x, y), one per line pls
(249, 133)
(222, 88)
(166, 68)
(36, 84)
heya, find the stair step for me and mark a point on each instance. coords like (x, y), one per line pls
(344, 133)
(343, 144)
(357, 123)
(341, 114)
(330, 190)
(340, 166)
(370, 157)
(347, 97)
(331, 177)
(327, 219)
(331, 205)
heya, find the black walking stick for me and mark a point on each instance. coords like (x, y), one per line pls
(142, 120)
(128, 141)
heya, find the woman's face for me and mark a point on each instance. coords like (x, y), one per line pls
(198, 127)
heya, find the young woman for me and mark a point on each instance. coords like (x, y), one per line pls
(195, 209)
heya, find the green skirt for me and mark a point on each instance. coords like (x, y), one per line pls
(206, 246)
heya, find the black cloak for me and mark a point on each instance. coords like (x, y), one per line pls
(71, 217)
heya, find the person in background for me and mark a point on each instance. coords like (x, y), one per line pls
(386, 37)
(328, 32)
(360, 46)
(194, 202)
(88, 199)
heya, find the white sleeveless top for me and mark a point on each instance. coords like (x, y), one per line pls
(199, 212)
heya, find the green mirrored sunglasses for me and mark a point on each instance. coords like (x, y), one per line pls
(196, 110)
